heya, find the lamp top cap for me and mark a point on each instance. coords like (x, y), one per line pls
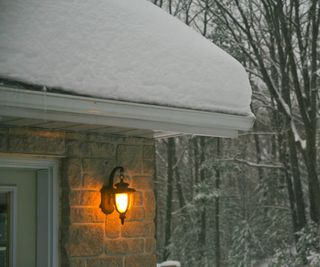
(123, 187)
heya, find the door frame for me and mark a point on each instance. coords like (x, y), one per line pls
(51, 165)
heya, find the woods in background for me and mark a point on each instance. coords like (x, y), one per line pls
(255, 199)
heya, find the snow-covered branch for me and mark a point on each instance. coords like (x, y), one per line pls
(259, 165)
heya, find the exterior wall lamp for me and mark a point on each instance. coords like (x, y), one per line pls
(118, 197)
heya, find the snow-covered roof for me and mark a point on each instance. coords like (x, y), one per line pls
(127, 50)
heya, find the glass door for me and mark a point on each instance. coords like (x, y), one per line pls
(19, 212)
(4, 228)
(28, 213)
(7, 225)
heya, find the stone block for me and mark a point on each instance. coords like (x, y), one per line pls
(84, 198)
(135, 214)
(137, 229)
(105, 138)
(142, 183)
(130, 157)
(106, 262)
(137, 199)
(64, 222)
(76, 148)
(3, 139)
(92, 181)
(73, 197)
(91, 198)
(103, 150)
(85, 240)
(150, 246)
(86, 215)
(96, 166)
(148, 167)
(77, 262)
(76, 136)
(124, 246)
(148, 152)
(131, 140)
(149, 205)
(140, 261)
(24, 140)
(112, 226)
(71, 173)
(96, 172)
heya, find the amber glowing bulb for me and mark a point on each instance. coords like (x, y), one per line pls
(122, 202)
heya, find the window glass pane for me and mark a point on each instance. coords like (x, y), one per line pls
(3, 256)
(4, 228)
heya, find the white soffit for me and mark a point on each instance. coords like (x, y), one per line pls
(164, 121)
(128, 50)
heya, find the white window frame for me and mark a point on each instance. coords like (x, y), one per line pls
(51, 166)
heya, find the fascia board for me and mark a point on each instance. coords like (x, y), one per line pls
(53, 106)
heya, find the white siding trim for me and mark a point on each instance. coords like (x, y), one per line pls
(62, 107)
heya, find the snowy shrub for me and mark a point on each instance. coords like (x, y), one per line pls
(307, 252)
(308, 246)
(314, 259)
(282, 258)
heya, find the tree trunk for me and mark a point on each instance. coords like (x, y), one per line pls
(217, 209)
(203, 216)
(181, 198)
(170, 153)
(196, 159)
(307, 114)
(292, 199)
(301, 215)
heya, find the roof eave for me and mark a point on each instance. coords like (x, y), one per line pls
(61, 107)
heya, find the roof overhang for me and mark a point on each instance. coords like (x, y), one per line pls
(128, 50)
(71, 108)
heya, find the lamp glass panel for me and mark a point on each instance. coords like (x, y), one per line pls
(122, 202)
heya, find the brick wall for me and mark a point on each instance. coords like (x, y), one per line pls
(88, 238)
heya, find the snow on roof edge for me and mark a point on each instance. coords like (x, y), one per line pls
(127, 50)
(16, 84)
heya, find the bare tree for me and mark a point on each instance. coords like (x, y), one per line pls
(289, 30)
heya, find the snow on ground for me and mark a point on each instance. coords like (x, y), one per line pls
(169, 264)
(127, 50)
